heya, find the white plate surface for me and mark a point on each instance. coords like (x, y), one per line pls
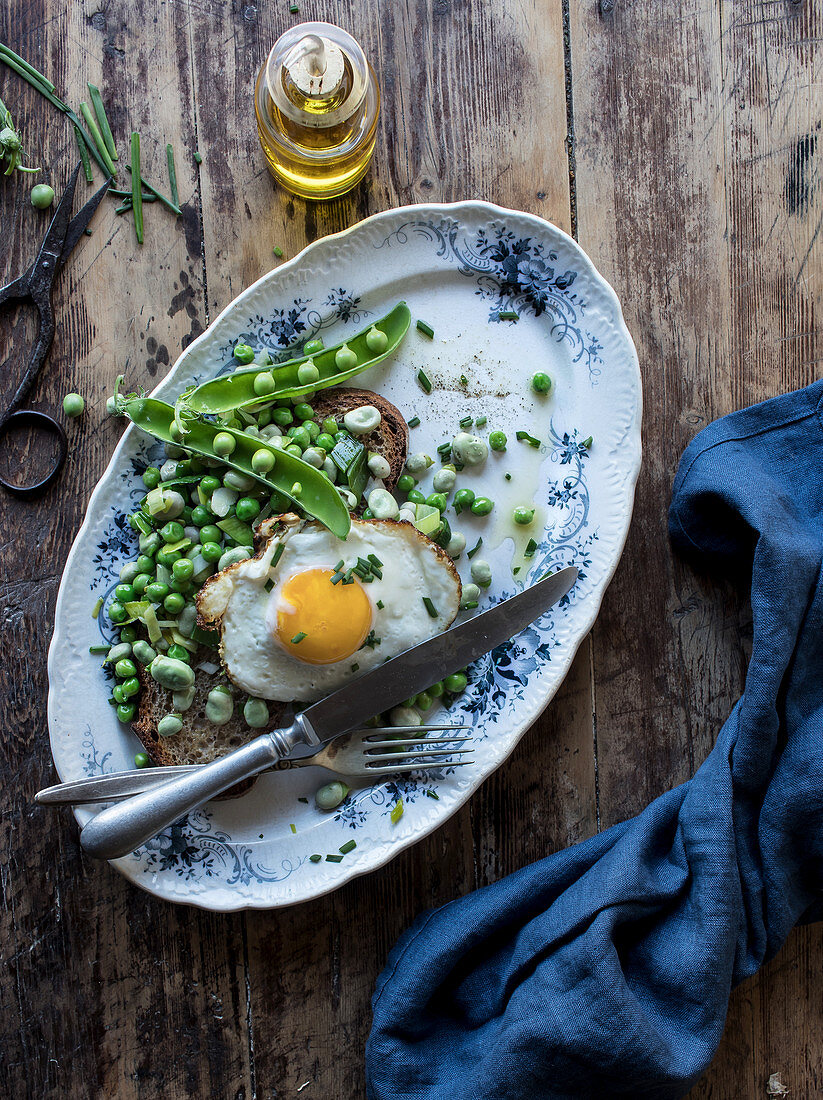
(457, 266)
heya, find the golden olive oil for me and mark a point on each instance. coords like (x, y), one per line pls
(317, 102)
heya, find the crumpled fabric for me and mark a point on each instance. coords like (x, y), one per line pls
(605, 969)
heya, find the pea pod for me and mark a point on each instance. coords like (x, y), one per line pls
(233, 391)
(317, 496)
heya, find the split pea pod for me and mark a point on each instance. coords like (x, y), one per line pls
(310, 489)
(233, 391)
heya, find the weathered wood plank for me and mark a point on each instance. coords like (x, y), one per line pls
(696, 195)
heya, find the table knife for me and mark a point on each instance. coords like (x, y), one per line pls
(122, 828)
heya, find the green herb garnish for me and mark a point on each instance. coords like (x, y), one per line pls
(470, 553)
(136, 186)
(175, 197)
(587, 443)
(277, 555)
(315, 857)
(524, 437)
(427, 330)
(434, 795)
(334, 859)
(531, 546)
(432, 610)
(465, 422)
(397, 811)
(349, 846)
(299, 636)
(102, 121)
(293, 828)
(424, 380)
(508, 315)
(278, 251)
(414, 422)
(97, 650)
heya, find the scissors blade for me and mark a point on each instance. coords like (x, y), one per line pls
(80, 221)
(53, 243)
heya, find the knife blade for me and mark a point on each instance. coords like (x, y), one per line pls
(418, 668)
(121, 828)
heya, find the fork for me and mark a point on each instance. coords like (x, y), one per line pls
(377, 752)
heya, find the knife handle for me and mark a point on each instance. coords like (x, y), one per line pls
(122, 828)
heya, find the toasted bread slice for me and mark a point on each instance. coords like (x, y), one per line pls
(390, 439)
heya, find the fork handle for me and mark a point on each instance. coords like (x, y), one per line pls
(122, 828)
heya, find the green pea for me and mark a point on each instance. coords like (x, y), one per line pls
(181, 586)
(282, 417)
(178, 652)
(497, 441)
(313, 428)
(174, 603)
(125, 669)
(345, 358)
(463, 498)
(125, 712)
(424, 700)
(223, 444)
(294, 449)
(128, 634)
(330, 796)
(140, 583)
(182, 570)
(124, 593)
(209, 483)
(211, 551)
(416, 497)
(73, 405)
(303, 411)
(130, 687)
(455, 683)
(168, 557)
(145, 564)
(247, 509)
(311, 347)
(42, 196)
(210, 533)
(436, 690)
(200, 516)
(144, 653)
(264, 384)
(141, 760)
(482, 506)
(118, 694)
(541, 383)
(262, 461)
(376, 340)
(300, 435)
(523, 516)
(116, 612)
(263, 418)
(157, 591)
(405, 483)
(330, 426)
(172, 531)
(307, 373)
(438, 501)
(243, 353)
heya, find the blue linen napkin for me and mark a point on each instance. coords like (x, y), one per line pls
(605, 969)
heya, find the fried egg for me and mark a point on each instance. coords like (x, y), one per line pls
(293, 626)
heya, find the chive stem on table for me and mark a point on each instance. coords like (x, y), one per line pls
(103, 121)
(94, 130)
(175, 197)
(136, 188)
(198, 159)
(169, 205)
(6, 53)
(84, 155)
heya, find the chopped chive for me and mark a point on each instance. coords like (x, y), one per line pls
(95, 611)
(508, 315)
(587, 442)
(524, 437)
(444, 449)
(87, 232)
(305, 801)
(337, 577)
(397, 811)
(339, 566)
(348, 580)
(464, 380)
(294, 9)
(124, 207)
(316, 857)
(169, 205)
(277, 555)
(96, 650)
(481, 421)
(269, 585)
(380, 605)
(349, 846)
(434, 795)
(432, 610)
(278, 251)
(531, 546)
(465, 422)
(198, 159)
(293, 827)
(424, 381)
(471, 605)
(175, 196)
(97, 137)
(373, 558)
(299, 636)
(375, 572)
(136, 188)
(427, 330)
(508, 477)
(516, 570)
(355, 667)
(414, 422)
(475, 548)
(84, 156)
(334, 859)
(102, 121)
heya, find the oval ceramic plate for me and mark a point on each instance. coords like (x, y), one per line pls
(458, 267)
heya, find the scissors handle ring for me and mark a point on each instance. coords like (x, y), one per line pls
(44, 421)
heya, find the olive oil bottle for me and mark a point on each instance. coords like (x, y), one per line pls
(317, 102)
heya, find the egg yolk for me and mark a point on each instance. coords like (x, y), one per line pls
(319, 622)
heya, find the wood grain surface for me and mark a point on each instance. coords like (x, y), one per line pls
(680, 143)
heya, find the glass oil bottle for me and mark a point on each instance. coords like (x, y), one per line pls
(317, 101)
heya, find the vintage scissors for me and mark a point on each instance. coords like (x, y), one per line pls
(35, 287)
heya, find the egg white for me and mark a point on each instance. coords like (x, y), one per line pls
(413, 567)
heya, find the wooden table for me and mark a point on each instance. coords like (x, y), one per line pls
(680, 144)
